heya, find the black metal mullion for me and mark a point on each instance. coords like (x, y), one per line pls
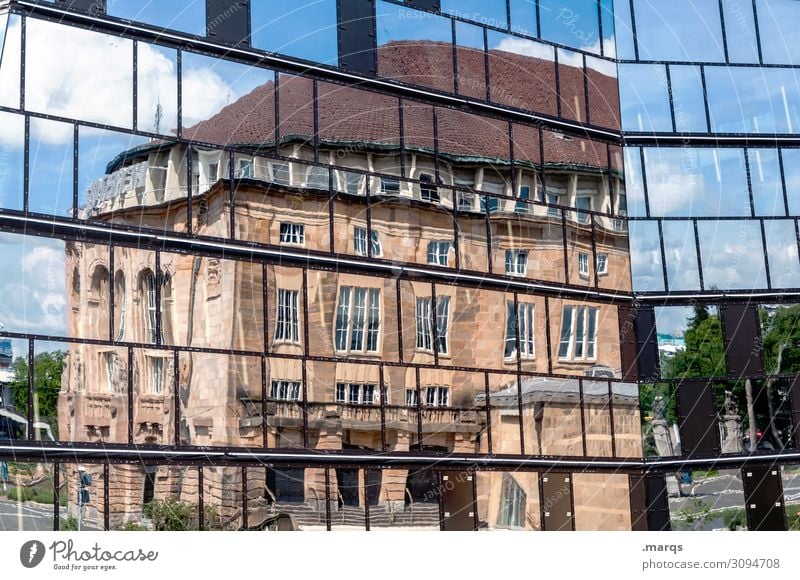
(611, 419)
(56, 496)
(419, 407)
(547, 335)
(201, 508)
(558, 83)
(699, 255)
(135, 95)
(179, 73)
(383, 392)
(749, 177)
(671, 98)
(784, 188)
(582, 407)
(518, 374)
(488, 411)
(264, 426)
(766, 253)
(724, 33)
(130, 395)
(176, 396)
(643, 166)
(705, 98)
(664, 270)
(106, 494)
(26, 169)
(304, 405)
(111, 292)
(31, 378)
(399, 306)
(758, 33)
(245, 523)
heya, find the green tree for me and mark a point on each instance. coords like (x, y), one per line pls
(47, 370)
(704, 355)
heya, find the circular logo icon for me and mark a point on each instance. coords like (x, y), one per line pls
(31, 553)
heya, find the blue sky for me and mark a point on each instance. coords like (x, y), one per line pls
(183, 15)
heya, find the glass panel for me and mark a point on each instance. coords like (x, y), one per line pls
(608, 25)
(12, 160)
(778, 327)
(765, 180)
(504, 414)
(733, 254)
(472, 239)
(95, 85)
(488, 12)
(34, 298)
(157, 86)
(471, 60)
(791, 483)
(571, 85)
(179, 15)
(348, 499)
(415, 47)
(29, 496)
(779, 38)
(584, 339)
(508, 501)
(82, 392)
(683, 30)
(687, 98)
(523, 17)
(634, 183)
(306, 30)
(624, 31)
(285, 404)
(753, 100)
(14, 392)
(690, 341)
(791, 173)
(717, 503)
(89, 513)
(453, 420)
(10, 60)
(644, 97)
(612, 254)
(127, 180)
(153, 398)
(392, 505)
(693, 182)
(627, 419)
(235, 104)
(740, 31)
(295, 115)
(755, 415)
(680, 249)
(603, 87)
(477, 308)
(219, 395)
(784, 264)
(511, 59)
(660, 437)
(646, 264)
(571, 22)
(551, 417)
(50, 173)
(222, 497)
(606, 510)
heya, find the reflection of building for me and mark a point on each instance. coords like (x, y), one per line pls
(330, 334)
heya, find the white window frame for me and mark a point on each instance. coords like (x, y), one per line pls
(356, 394)
(516, 262)
(582, 215)
(393, 183)
(360, 242)
(439, 252)
(583, 264)
(292, 234)
(157, 375)
(287, 316)
(523, 325)
(282, 390)
(577, 340)
(437, 396)
(150, 289)
(360, 322)
(424, 318)
(427, 188)
(602, 264)
(411, 398)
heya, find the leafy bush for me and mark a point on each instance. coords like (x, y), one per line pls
(69, 524)
(37, 494)
(734, 518)
(172, 515)
(131, 526)
(793, 517)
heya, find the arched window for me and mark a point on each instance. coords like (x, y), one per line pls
(120, 304)
(98, 303)
(149, 292)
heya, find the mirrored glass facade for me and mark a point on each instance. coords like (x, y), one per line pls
(335, 252)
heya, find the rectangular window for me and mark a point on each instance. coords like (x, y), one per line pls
(355, 394)
(152, 316)
(285, 390)
(602, 264)
(390, 186)
(425, 324)
(245, 168)
(411, 397)
(583, 264)
(156, 376)
(360, 242)
(437, 396)
(287, 327)
(524, 321)
(524, 195)
(439, 253)
(358, 315)
(578, 339)
(516, 262)
(281, 173)
(427, 188)
(293, 234)
(583, 202)
(352, 182)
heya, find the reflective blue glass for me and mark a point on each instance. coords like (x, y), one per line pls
(571, 22)
(687, 99)
(305, 29)
(644, 97)
(172, 14)
(680, 30)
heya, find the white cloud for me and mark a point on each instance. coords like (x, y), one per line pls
(526, 48)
